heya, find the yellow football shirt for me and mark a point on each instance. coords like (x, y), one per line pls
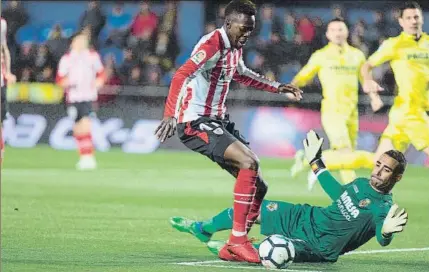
(338, 69)
(409, 59)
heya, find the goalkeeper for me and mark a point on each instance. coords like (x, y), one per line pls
(360, 210)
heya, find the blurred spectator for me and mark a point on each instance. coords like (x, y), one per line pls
(117, 25)
(375, 30)
(277, 52)
(46, 75)
(357, 42)
(135, 77)
(220, 16)
(152, 73)
(359, 29)
(129, 62)
(145, 23)
(339, 12)
(93, 18)
(26, 55)
(43, 57)
(306, 29)
(320, 37)
(15, 16)
(166, 49)
(289, 27)
(210, 27)
(268, 25)
(26, 75)
(112, 78)
(392, 26)
(168, 19)
(57, 44)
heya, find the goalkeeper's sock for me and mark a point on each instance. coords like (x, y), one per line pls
(222, 221)
(84, 144)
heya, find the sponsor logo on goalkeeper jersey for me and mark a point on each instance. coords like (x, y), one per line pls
(347, 207)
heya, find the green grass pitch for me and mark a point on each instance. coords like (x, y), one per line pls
(116, 218)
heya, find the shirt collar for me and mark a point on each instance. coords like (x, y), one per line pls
(337, 47)
(225, 38)
(377, 194)
(412, 37)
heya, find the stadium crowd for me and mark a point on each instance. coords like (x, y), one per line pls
(278, 48)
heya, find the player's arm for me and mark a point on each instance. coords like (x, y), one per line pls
(313, 152)
(209, 50)
(11, 78)
(308, 72)
(61, 78)
(250, 78)
(390, 223)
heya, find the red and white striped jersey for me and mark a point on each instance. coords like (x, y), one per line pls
(200, 86)
(81, 69)
(3, 36)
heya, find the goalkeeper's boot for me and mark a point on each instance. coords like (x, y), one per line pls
(243, 251)
(192, 227)
(299, 164)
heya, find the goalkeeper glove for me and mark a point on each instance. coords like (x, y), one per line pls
(313, 151)
(394, 221)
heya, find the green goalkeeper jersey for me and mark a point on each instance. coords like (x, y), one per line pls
(355, 216)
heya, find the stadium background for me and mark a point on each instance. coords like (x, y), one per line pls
(142, 51)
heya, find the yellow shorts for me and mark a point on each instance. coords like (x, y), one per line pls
(406, 130)
(342, 129)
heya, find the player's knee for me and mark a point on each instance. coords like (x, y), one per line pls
(250, 161)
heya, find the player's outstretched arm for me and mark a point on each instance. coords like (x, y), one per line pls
(250, 78)
(393, 222)
(313, 152)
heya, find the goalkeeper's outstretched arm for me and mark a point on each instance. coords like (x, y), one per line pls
(313, 152)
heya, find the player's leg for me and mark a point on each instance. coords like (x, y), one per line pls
(209, 137)
(393, 137)
(261, 185)
(81, 112)
(418, 133)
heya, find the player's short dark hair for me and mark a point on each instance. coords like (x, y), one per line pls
(337, 19)
(246, 7)
(409, 5)
(400, 158)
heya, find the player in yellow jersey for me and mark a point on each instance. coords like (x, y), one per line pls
(408, 55)
(338, 67)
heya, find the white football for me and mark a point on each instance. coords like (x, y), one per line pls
(277, 252)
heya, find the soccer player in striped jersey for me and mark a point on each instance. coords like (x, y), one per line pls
(81, 74)
(196, 105)
(6, 78)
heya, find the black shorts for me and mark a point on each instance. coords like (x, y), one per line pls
(79, 110)
(3, 103)
(210, 137)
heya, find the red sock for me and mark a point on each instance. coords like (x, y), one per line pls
(84, 144)
(254, 212)
(244, 191)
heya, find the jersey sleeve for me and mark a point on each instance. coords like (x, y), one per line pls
(249, 78)
(386, 52)
(329, 184)
(309, 71)
(208, 50)
(379, 221)
(362, 60)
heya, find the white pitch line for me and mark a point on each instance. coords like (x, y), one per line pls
(215, 263)
(240, 267)
(387, 250)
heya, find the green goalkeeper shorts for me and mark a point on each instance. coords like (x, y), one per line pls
(289, 220)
